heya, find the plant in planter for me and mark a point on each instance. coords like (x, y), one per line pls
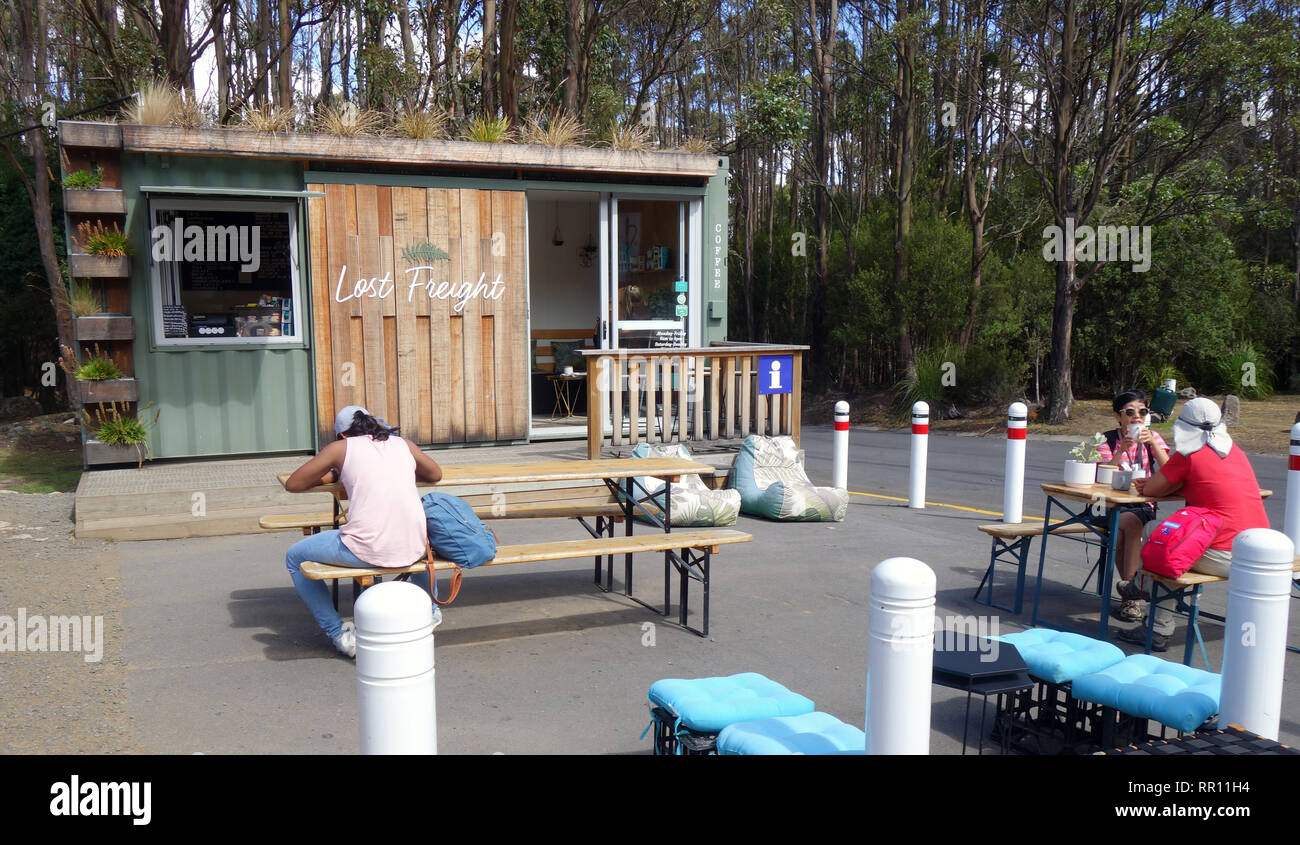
(96, 367)
(84, 300)
(83, 180)
(98, 239)
(1081, 468)
(490, 130)
(112, 427)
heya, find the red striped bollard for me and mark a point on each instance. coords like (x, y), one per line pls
(1014, 493)
(840, 448)
(1291, 527)
(920, 442)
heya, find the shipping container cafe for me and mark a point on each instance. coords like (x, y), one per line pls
(444, 285)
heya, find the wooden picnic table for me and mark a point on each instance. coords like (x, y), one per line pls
(1061, 495)
(619, 476)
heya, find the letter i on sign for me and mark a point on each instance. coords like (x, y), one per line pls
(775, 372)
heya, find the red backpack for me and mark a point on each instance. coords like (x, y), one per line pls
(1179, 541)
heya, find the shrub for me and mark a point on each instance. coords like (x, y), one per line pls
(97, 239)
(349, 121)
(80, 180)
(113, 427)
(490, 130)
(560, 130)
(695, 146)
(634, 138)
(990, 376)
(927, 384)
(1152, 375)
(422, 125)
(267, 118)
(1241, 370)
(97, 367)
(156, 105)
(84, 300)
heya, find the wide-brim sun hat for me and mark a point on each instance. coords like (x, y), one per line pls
(1199, 424)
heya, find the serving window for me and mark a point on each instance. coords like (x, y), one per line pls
(225, 272)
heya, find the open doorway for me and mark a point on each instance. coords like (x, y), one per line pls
(564, 273)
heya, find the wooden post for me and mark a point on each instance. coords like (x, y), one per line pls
(683, 408)
(697, 429)
(746, 388)
(796, 397)
(596, 404)
(633, 406)
(730, 399)
(650, 415)
(616, 399)
(715, 376)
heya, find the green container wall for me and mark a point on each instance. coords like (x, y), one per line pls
(716, 222)
(215, 401)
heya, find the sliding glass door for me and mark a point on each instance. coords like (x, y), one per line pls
(653, 278)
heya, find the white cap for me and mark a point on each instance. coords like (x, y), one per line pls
(343, 421)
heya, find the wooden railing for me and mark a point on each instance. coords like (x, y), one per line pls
(686, 395)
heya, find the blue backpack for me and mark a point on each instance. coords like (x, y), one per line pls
(455, 533)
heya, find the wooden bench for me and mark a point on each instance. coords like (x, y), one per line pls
(1011, 542)
(696, 547)
(1184, 593)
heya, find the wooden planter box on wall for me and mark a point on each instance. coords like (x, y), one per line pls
(108, 390)
(84, 266)
(105, 327)
(101, 453)
(94, 201)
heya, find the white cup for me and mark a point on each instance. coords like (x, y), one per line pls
(568, 371)
(1134, 430)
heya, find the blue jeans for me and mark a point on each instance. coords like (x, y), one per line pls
(327, 547)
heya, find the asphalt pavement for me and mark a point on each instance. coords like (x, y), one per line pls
(224, 658)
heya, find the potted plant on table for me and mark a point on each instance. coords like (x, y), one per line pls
(1081, 466)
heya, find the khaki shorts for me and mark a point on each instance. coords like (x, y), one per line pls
(1213, 562)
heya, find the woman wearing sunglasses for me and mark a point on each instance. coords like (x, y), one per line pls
(1131, 445)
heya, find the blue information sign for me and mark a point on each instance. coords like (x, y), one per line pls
(775, 374)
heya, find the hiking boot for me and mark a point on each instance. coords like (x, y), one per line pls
(1130, 591)
(1138, 635)
(1130, 610)
(346, 642)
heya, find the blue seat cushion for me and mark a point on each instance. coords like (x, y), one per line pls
(708, 705)
(1060, 656)
(1146, 686)
(811, 733)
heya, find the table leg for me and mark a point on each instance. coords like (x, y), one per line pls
(1108, 572)
(627, 531)
(668, 527)
(1042, 556)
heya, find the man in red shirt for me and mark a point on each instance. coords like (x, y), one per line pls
(1212, 473)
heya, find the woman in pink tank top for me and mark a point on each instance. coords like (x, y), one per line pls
(385, 526)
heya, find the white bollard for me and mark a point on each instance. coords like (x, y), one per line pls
(1254, 633)
(1292, 525)
(920, 442)
(900, 657)
(840, 448)
(1014, 493)
(395, 683)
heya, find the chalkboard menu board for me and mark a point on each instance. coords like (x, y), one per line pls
(175, 323)
(244, 239)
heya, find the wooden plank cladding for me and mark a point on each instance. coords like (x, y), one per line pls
(94, 201)
(419, 296)
(85, 133)
(685, 395)
(243, 143)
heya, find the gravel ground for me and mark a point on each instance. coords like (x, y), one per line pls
(57, 702)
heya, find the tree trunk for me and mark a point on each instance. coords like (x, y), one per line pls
(327, 63)
(904, 169)
(222, 57)
(572, 38)
(506, 67)
(284, 64)
(488, 83)
(33, 29)
(823, 54)
(1060, 395)
(262, 93)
